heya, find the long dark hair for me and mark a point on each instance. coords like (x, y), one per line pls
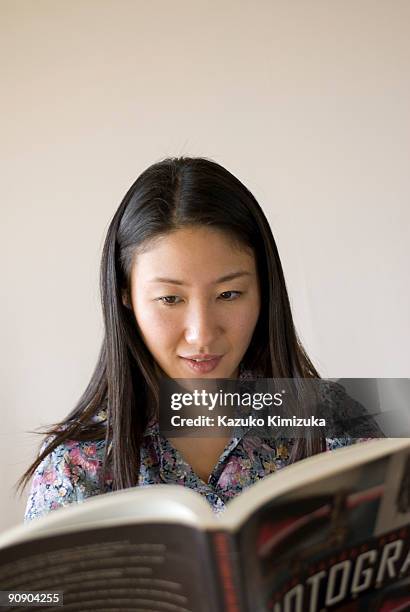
(169, 195)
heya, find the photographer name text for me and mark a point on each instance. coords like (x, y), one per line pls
(248, 421)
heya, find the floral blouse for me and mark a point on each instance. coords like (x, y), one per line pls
(70, 473)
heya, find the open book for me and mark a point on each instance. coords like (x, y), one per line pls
(331, 532)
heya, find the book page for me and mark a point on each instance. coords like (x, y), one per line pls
(147, 567)
(331, 544)
(395, 507)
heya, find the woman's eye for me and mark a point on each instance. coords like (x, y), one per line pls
(228, 296)
(169, 300)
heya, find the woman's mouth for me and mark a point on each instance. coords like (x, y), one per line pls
(202, 364)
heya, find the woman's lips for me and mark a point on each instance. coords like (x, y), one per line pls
(202, 367)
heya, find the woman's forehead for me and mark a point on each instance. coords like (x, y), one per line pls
(190, 254)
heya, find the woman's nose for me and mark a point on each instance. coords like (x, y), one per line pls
(202, 328)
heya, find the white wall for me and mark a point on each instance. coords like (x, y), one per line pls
(308, 103)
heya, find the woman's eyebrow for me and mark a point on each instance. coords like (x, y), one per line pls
(223, 279)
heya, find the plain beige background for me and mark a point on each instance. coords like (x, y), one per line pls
(308, 103)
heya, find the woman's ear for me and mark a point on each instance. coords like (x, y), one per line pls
(126, 300)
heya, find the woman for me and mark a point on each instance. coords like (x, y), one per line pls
(192, 286)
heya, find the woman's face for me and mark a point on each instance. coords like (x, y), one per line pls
(196, 300)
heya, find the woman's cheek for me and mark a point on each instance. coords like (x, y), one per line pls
(157, 322)
(245, 320)
(150, 321)
(163, 325)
